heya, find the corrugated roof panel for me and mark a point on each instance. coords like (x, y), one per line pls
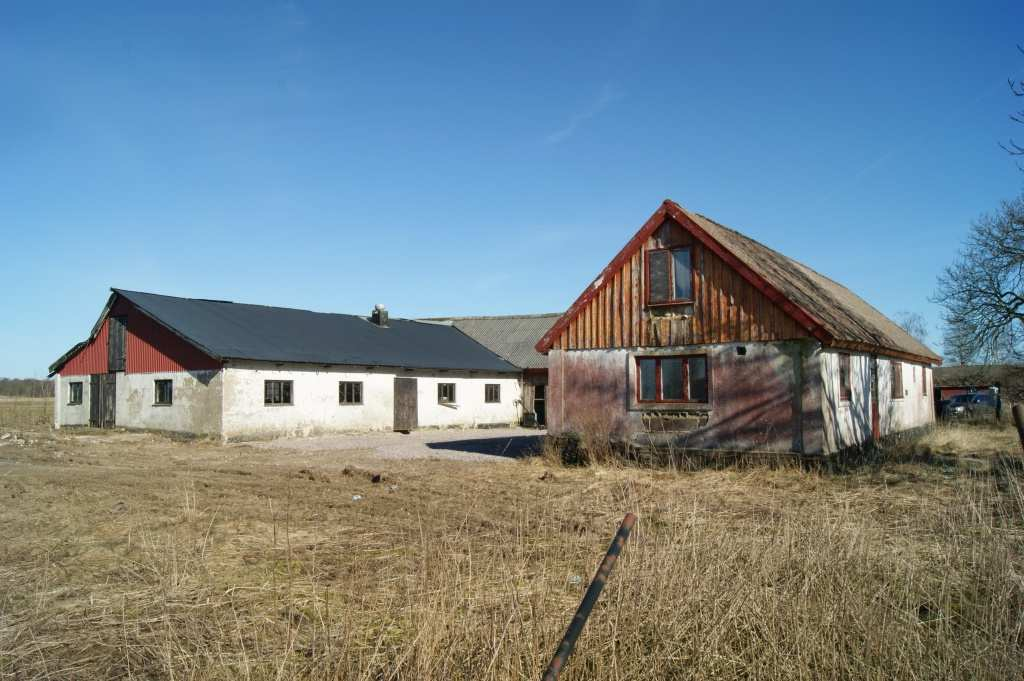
(512, 337)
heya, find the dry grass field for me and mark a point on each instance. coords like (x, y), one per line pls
(128, 555)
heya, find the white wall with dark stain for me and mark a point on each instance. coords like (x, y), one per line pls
(65, 414)
(195, 402)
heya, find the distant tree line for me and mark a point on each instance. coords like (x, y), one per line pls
(26, 387)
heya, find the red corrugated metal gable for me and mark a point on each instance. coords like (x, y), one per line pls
(92, 359)
(149, 347)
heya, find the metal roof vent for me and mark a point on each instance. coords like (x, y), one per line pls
(380, 315)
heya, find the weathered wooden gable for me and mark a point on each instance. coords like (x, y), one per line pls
(726, 307)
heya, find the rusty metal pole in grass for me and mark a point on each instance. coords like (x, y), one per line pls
(589, 599)
(1018, 420)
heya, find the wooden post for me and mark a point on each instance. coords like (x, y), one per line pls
(1018, 420)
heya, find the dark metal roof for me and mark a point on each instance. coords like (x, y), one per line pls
(227, 330)
(511, 337)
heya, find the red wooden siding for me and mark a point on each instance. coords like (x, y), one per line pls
(149, 347)
(726, 307)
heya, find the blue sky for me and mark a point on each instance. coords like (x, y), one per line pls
(467, 159)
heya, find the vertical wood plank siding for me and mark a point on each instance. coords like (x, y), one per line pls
(726, 307)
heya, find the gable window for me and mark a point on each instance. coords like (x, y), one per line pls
(163, 392)
(446, 393)
(897, 380)
(75, 392)
(492, 393)
(844, 378)
(350, 392)
(277, 392)
(672, 379)
(669, 276)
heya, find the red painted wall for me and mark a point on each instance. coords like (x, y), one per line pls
(149, 347)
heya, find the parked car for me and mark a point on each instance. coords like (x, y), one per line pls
(970, 406)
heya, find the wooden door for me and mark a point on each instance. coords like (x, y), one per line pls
(406, 418)
(876, 431)
(95, 400)
(109, 400)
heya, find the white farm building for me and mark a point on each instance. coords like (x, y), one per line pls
(241, 371)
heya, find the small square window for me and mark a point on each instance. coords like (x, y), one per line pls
(163, 391)
(446, 393)
(277, 392)
(492, 393)
(75, 392)
(350, 392)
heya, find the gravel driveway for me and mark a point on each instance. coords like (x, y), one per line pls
(477, 444)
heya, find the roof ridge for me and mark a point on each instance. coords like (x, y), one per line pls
(269, 307)
(536, 315)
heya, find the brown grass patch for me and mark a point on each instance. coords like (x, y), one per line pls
(144, 557)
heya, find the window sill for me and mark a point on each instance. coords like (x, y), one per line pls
(281, 404)
(450, 405)
(670, 406)
(350, 404)
(670, 303)
(159, 404)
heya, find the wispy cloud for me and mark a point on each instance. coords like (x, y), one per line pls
(606, 97)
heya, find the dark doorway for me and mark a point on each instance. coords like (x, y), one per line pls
(405, 404)
(539, 392)
(102, 400)
(876, 431)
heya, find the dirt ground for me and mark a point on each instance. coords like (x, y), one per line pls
(481, 445)
(458, 555)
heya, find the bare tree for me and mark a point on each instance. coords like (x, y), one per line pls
(1017, 88)
(957, 347)
(914, 324)
(982, 293)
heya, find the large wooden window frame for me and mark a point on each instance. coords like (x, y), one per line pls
(896, 380)
(492, 393)
(686, 379)
(845, 382)
(672, 283)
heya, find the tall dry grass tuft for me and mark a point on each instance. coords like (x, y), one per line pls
(206, 571)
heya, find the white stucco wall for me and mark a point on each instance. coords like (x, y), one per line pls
(195, 402)
(913, 410)
(65, 414)
(315, 408)
(848, 424)
(469, 408)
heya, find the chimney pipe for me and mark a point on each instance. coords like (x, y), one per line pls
(380, 315)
